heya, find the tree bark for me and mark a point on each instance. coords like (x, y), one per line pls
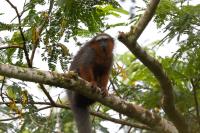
(72, 82)
(130, 41)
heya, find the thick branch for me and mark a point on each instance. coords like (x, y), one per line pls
(72, 82)
(137, 29)
(129, 39)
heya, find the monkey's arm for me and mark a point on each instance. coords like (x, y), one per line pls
(86, 72)
(86, 65)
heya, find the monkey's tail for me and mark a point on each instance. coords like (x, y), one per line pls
(81, 115)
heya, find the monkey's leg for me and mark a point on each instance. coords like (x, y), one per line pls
(103, 84)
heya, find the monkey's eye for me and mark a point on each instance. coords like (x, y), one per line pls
(102, 40)
(103, 44)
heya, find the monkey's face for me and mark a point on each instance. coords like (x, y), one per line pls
(105, 42)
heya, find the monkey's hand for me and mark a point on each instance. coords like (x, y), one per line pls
(104, 91)
(94, 85)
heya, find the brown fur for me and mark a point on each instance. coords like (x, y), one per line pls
(93, 63)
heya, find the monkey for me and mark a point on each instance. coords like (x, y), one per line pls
(93, 63)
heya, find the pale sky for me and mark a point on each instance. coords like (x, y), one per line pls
(148, 36)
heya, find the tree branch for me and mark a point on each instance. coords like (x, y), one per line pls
(21, 32)
(72, 82)
(122, 122)
(40, 29)
(38, 32)
(100, 115)
(47, 94)
(194, 89)
(2, 85)
(12, 46)
(129, 39)
(10, 119)
(137, 30)
(18, 117)
(41, 85)
(29, 61)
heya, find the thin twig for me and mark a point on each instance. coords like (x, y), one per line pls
(12, 46)
(23, 11)
(21, 32)
(195, 100)
(18, 117)
(35, 46)
(47, 94)
(10, 119)
(40, 29)
(100, 115)
(2, 84)
(123, 122)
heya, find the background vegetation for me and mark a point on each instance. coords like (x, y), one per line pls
(49, 31)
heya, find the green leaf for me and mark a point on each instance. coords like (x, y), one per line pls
(11, 92)
(117, 24)
(16, 39)
(9, 27)
(121, 10)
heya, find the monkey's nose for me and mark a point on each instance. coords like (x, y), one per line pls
(103, 44)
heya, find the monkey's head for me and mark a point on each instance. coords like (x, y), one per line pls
(104, 41)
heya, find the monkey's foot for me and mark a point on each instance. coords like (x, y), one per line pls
(95, 88)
